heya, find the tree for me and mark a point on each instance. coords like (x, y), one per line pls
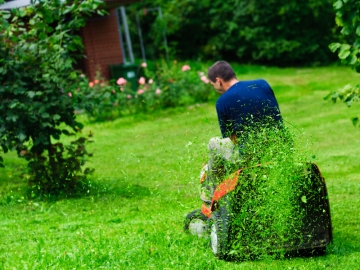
(38, 47)
(348, 19)
(258, 31)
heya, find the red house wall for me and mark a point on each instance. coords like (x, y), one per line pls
(102, 45)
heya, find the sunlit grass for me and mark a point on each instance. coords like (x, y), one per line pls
(147, 171)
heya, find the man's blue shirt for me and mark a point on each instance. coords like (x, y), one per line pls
(244, 104)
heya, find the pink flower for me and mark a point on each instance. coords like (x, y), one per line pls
(128, 96)
(204, 79)
(140, 91)
(142, 80)
(150, 81)
(122, 89)
(143, 64)
(96, 81)
(91, 84)
(69, 94)
(158, 91)
(121, 81)
(185, 68)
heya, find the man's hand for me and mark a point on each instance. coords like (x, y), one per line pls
(233, 138)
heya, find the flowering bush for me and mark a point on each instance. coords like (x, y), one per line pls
(170, 85)
(100, 99)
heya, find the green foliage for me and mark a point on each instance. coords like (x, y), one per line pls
(168, 85)
(260, 31)
(348, 19)
(38, 45)
(348, 94)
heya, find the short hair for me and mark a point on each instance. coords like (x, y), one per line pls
(222, 70)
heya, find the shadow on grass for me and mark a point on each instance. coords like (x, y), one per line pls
(129, 191)
(17, 190)
(344, 243)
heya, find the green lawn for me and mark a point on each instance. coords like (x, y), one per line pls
(146, 179)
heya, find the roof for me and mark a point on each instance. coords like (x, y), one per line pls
(9, 4)
(15, 4)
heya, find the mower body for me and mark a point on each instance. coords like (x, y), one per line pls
(314, 234)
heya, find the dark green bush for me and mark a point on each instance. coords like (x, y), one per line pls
(261, 31)
(37, 48)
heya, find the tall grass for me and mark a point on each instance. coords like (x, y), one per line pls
(146, 181)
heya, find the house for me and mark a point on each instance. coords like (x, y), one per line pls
(104, 42)
(102, 38)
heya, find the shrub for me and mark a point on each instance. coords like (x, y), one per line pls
(169, 85)
(37, 45)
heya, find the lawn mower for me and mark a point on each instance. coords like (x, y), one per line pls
(236, 223)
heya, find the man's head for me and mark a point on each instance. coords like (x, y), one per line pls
(220, 75)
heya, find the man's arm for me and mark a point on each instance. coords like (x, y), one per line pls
(233, 138)
(223, 121)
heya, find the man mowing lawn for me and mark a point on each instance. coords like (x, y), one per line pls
(242, 106)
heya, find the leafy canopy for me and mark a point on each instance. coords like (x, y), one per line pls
(262, 31)
(348, 19)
